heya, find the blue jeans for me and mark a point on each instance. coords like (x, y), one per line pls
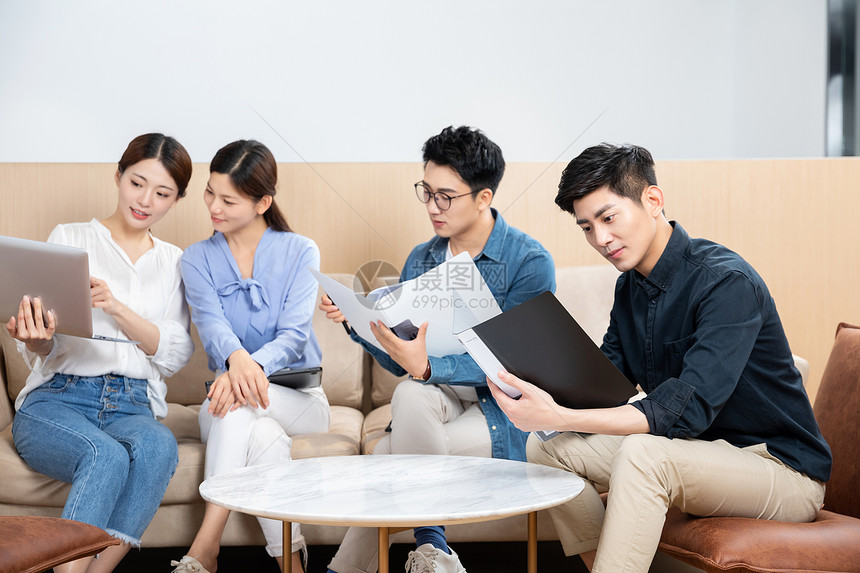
(98, 433)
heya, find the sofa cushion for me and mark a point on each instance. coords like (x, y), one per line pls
(587, 292)
(342, 359)
(802, 365)
(342, 438)
(374, 427)
(16, 369)
(186, 479)
(182, 421)
(188, 386)
(384, 383)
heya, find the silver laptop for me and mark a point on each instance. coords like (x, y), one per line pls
(58, 275)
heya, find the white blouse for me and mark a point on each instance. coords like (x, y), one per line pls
(151, 287)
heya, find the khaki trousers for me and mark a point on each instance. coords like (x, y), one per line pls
(646, 475)
(426, 419)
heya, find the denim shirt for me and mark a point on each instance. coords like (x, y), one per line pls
(702, 336)
(516, 268)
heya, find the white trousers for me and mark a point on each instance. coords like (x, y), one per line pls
(250, 436)
(425, 419)
(646, 475)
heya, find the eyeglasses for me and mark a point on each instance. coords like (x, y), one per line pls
(442, 200)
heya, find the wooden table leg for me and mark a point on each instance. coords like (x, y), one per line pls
(383, 550)
(532, 543)
(288, 547)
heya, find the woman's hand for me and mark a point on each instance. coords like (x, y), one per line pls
(249, 382)
(30, 328)
(103, 298)
(331, 311)
(132, 324)
(221, 397)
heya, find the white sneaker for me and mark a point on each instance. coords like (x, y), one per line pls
(428, 559)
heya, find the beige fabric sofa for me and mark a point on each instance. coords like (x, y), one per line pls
(359, 393)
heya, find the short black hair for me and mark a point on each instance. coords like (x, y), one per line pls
(476, 159)
(626, 169)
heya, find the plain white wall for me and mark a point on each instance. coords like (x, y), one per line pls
(370, 81)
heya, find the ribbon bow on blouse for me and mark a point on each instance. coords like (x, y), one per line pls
(258, 297)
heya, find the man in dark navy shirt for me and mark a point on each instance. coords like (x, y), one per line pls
(725, 428)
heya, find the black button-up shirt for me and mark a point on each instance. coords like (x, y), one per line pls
(702, 337)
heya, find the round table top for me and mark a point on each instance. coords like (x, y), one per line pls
(391, 490)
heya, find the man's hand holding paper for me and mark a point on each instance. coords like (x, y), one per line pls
(410, 354)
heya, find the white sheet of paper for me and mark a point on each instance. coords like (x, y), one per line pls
(486, 360)
(426, 298)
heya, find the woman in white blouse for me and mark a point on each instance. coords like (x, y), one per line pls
(88, 413)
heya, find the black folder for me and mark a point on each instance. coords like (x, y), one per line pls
(538, 341)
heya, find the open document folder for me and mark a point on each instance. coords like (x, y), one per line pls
(538, 341)
(429, 298)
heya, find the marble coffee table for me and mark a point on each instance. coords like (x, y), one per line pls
(393, 493)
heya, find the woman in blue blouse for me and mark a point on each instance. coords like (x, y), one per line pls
(252, 299)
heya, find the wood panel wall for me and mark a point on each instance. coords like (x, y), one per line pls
(796, 221)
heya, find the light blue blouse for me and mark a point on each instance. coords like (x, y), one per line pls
(269, 314)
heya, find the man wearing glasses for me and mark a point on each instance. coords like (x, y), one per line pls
(445, 407)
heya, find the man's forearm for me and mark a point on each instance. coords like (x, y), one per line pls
(619, 421)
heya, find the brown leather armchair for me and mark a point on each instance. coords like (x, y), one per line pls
(831, 543)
